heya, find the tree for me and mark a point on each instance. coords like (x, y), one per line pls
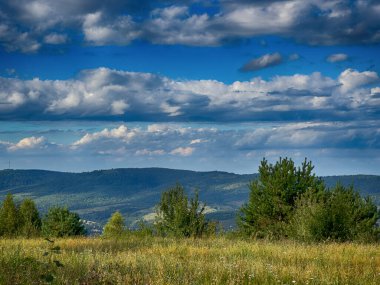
(60, 222)
(339, 214)
(178, 217)
(8, 217)
(30, 222)
(273, 196)
(115, 226)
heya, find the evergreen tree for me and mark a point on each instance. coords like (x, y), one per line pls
(176, 216)
(9, 220)
(30, 222)
(273, 196)
(115, 226)
(60, 222)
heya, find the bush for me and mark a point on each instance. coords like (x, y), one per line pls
(115, 226)
(176, 216)
(60, 222)
(339, 215)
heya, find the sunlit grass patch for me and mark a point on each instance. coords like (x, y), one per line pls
(219, 260)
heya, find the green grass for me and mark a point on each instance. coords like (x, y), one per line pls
(178, 261)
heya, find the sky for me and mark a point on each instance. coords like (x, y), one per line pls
(200, 85)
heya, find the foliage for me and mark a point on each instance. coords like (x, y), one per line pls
(339, 214)
(30, 222)
(273, 196)
(115, 226)
(60, 222)
(179, 217)
(9, 218)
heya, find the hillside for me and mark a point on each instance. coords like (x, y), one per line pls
(135, 192)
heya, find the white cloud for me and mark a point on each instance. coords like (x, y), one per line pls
(55, 39)
(183, 151)
(26, 25)
(148, 152)
(119, 107)
(375, 91)
(112, 94)
(169, 145)
(98, 31)
(121, 133)
(262, 62)
(351, 79)
(337, 57)
(198, 141)
(175, 25)
(27, 143)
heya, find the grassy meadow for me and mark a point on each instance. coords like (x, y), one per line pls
(153, 260)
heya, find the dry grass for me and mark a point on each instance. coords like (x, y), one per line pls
(168, 261)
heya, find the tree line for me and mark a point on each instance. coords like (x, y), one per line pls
(285, 201)
(24, 220)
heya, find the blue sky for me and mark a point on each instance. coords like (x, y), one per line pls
(203, 85)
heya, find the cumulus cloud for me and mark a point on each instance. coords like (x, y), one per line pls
(351, 79)
(175, 25)
(337, 57)
(27, 143)
(27, 25)
(100, 31)
(121, 133)
(262, 62)
(132, 96)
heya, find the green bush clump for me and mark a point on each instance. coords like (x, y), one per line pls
(288, 201)
(115, 227)
(60, 222)
(179, 217)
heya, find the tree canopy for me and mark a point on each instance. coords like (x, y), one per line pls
(9, 219)
(115, 226)
(60, 222)
(30, 221)
(177, 216)
(287, 200)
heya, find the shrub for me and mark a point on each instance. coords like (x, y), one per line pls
(60, 222)
(177, 216)
(115, 226)
(340, 214)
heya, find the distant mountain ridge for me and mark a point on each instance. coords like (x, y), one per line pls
(135, 191)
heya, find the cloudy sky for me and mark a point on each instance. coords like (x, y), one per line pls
(202, 85)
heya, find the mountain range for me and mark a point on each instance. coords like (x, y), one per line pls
(135, 191)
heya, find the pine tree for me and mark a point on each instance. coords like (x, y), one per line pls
(273, 196)
(30, 222)
(9, 221)
(115, 226)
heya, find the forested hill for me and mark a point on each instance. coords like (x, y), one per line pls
(135, 191)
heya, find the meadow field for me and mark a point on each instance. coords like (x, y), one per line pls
(153, 260)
